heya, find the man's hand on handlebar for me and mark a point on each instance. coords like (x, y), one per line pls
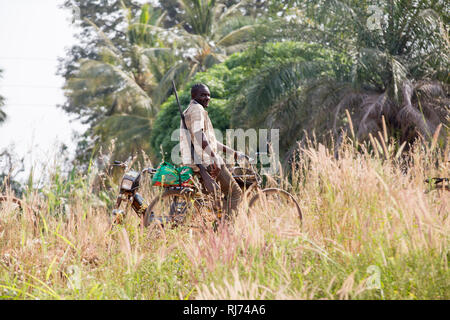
(238, 156)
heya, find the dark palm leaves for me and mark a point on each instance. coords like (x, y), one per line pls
(393, 65)
(271, 85)
(199, 14)
(130, 131)
(281, 96)
(425, 106)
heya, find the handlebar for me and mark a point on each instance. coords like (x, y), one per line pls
(124, 165)
(249, 159)
(149, 170)
(119, 164)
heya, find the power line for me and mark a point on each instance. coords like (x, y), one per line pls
(30, 105)
(30, 58)
(29, 86)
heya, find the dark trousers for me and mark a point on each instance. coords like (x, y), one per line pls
(230, 188)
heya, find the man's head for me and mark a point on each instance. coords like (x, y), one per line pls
(201, 94)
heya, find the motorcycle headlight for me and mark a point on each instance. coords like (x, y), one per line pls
(126, 184)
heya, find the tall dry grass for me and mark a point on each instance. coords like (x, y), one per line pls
(370, 230)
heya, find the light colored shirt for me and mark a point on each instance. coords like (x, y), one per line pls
(197, 119)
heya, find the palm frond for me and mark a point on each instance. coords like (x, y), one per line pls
(372, 107)
(131, 132)
(430, 89)
(270, 83)
(110, 56)
(168, 36)
(349, 99)
(156, 52)
(97, 85)
(243, 34)
(178, 72)
(232, 10)
(410, 115)
(127, 79)
(105, 38)
(199, 15)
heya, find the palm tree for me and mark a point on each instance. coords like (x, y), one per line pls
(208, 33)
(400, 66)
(119, 94)
(397, 69)
(287, 89)
(224, 29)
(114, 93)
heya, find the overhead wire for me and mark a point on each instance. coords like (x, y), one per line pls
(30, 58)
(30, 86)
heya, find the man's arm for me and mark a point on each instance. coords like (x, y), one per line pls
(201, 140)
(227, 150)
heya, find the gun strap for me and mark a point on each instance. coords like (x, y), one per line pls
(187, 131)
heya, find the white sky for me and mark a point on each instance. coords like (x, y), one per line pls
(33, 34)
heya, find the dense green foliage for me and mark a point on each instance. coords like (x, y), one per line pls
(168, 119)
(118, 88)
(296, 66)
(240, 105)
(400, 59)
